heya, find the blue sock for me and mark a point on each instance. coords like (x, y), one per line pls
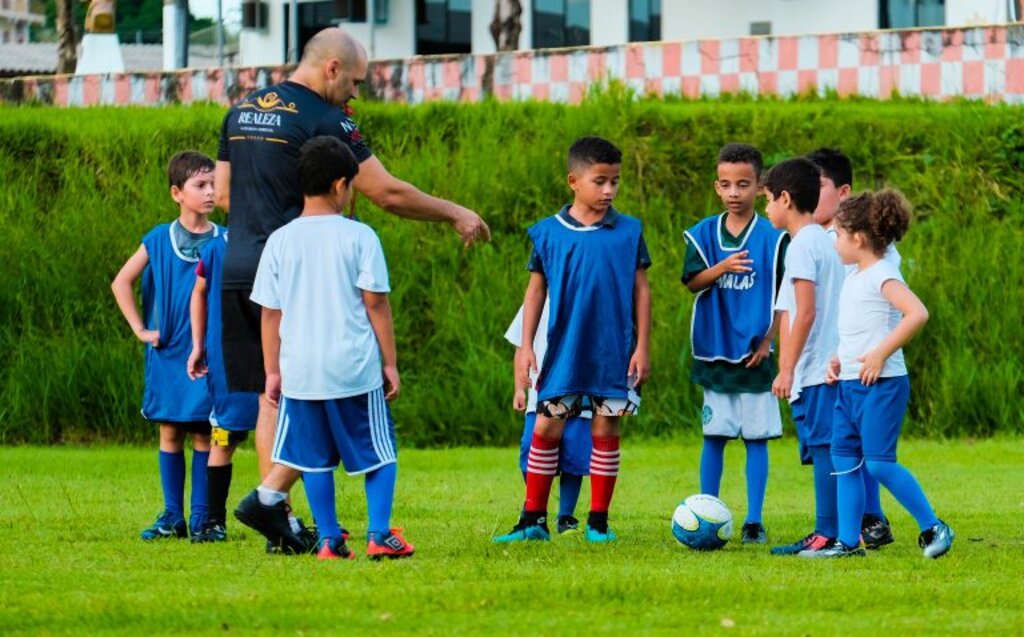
(712, 461)
(757, 478)
(320, 493)
(569, 486)
(200, 502)
(380, 495)
(825, 506)
(172, 479)
(872, 496)
(850, 498)
(907, 491)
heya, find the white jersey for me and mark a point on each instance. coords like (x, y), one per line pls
(314, 270)
(811, 256)
(514, 335)
(866, 318)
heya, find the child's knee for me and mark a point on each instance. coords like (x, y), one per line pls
(604, 426)
(200, 442)
(171, 437)
(846, 465)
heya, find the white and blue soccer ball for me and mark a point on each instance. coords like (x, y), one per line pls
(702, 522)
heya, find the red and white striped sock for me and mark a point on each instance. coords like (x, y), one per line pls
(604, 469)
(541, 467)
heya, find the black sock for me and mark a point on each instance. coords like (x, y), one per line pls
(219, 483)
(529, 518)
(598, 520)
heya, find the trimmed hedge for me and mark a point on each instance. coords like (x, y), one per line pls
(81, 187)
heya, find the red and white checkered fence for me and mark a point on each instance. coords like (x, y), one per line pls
(977, 63)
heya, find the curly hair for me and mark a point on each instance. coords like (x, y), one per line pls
(882, 217)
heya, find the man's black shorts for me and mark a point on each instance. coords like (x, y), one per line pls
(243, 347)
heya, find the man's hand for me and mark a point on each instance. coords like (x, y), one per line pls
(872, 367)
(762, 352)
(150, 337)
(737, 263)
(526, 364)
(273, 389)
(639, 367)
(783, 385)
(196, 366)
(832, 372)
(392, 383)
(470, 226)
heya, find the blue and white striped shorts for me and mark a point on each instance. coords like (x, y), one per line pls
(316, 435)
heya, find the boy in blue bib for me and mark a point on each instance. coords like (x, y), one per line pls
(734, 266)
(234, 413)
(591, 262)
(166, 263)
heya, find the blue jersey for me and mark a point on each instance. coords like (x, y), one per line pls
(167, 282)
(235, 411)
(591, 273)
(733, 315)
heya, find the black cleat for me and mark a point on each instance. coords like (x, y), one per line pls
(272, 522)
(875, 531)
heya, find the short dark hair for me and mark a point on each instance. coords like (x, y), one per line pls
(590, 150)
(186, 165)
(324, 160)
(834, 164)
(882, 217)
(800, 177)
(742, 154)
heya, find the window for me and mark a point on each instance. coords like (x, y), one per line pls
(644, 20)
(905, 14)
(559, 23)
(443, 26)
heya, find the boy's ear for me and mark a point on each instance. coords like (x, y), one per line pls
(571, 179)
(785, 200)
(844, 192)
(176, 194)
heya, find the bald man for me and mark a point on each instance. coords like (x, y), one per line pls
(256, 181)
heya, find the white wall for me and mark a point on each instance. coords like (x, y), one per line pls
(694, 19)
(609, 22)
(960, 13)
(264, 47)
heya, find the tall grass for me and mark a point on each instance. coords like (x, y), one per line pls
(81, 187)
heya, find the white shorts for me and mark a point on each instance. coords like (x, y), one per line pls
(746, 415)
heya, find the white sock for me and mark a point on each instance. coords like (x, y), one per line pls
(269, 497)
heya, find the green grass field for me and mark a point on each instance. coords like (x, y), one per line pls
(70, 560)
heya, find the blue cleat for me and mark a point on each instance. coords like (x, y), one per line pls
(211, 532)
(167, 525)
(526, 530)
(598, 536)
(937, 540)
(836, 549)
(567, 524)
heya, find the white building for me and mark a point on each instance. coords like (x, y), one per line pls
(16, 17)
(403, 28)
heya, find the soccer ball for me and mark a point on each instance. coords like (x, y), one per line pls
(702, 522)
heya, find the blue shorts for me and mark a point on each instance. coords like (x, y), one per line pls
(868, 418)
(573, 455)
(813, 412)
(235, 411)
(315, 435)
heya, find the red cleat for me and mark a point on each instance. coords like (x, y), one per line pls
(391, 546)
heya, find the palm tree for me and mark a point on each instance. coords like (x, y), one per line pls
(507, 24)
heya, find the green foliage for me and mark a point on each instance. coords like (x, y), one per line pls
(83, 186)
(142, 19)
(73, 563)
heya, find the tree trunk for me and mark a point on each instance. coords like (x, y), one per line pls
(67, 57)
(507, 24)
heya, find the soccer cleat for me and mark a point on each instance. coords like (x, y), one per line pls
(875, 531)
(937, 540)
(196, 524)
(272, 522)
(813, 542)
(526, 530)
(334, 549)
(167, 525)
(838, 549)
(754, 533)
(391, 546)
(599, 536)
(211, 532)
(567, 524)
